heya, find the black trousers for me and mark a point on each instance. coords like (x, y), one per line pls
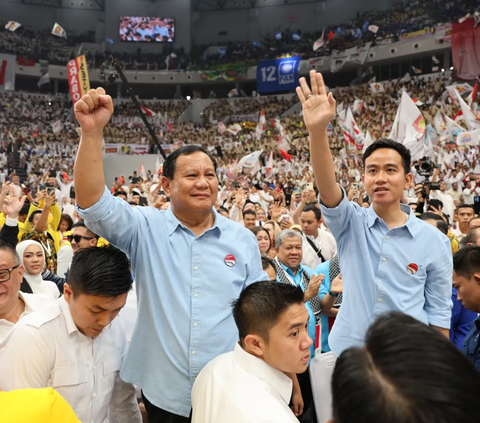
(157, 415)
(306, 387)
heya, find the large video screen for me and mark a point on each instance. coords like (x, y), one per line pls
(147, 29)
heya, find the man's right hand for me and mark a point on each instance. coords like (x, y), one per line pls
(318, 107)
(93, 111)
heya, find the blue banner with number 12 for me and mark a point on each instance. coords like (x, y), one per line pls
(277, 75)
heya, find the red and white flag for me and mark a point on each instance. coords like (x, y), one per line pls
(12, 26)
(269, 166)
(59, 31)
(377, 87)
(234, 129)
(221, 128)
(471, 119)
(320, 42)
(464, 18)
(260, 128)
(148, 112)
(142, 171)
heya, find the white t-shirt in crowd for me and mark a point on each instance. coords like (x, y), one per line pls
(325, 242)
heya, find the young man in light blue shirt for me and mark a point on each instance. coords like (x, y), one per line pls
(391, 260)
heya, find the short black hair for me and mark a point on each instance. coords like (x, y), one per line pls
(435, 203)
(24, 210)
(30, 218)
(466, 261)
(169, 166)
(466, 206)
(249, 212)
(81, 224)
(406, 372)
(394, 145)
(100, 271)
(120, 192)
(67, 218)
(315, 209)
(261, 304)
(441, 225)
(222, 209)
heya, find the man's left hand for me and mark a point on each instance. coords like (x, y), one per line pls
(297, 403)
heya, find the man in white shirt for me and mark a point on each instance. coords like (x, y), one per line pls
(445, 198)
(455, 192)
(250, 384)
(324, 246)
(14, 305)
(74, 345)
(465, 213)
(468, 193)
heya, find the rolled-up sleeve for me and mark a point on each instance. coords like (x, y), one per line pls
(438, 288)
(338, 218)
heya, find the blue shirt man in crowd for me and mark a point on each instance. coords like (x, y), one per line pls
(392, 260)
(189, 264)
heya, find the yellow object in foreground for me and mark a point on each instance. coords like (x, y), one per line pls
(35, 406)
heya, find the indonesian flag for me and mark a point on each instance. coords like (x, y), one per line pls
(269, 166)
(285, 155)
(320, 42)
(59, 31)
(142, 172)
(148, 112)
(12, 26)
(260, 128)
(417, 102)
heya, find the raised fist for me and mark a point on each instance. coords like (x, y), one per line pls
(93, 111)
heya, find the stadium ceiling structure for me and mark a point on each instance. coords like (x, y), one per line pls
(69, 4)
(199, 5)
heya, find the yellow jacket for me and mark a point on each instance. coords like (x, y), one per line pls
(35, 406)
(53, 222)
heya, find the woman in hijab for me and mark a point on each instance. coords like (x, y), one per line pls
(32, 257)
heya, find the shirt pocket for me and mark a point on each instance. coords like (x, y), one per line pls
(72, 384)
(111, 368)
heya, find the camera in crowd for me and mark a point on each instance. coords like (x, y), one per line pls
(425, 167)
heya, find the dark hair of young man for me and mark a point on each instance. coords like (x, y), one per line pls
(246, 212)
(466, 261)
(169, 165)
(100, 271)
(407, 372)
(260, 306)
(465, 206)
(81, 224)
(315, 209)
(120, 192)
(441, 225)
(386, 143)
(30, 218)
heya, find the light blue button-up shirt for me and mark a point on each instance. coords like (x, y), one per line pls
(408, 269)
(185, 288)
(297, 279)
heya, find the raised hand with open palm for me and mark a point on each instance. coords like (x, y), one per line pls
(318, 107)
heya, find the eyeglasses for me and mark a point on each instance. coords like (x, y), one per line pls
(77, 238)
(5, 274)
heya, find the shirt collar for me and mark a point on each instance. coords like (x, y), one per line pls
(173, 223)
(411, 223)
(24, 298)
(289, 271)
(258, 368)
(65, 309)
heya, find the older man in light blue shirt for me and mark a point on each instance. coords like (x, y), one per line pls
(189, 264)
(390, 259)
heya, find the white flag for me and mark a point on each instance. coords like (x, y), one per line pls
(320, 42)
(368, 141)
(473, 122)
(12, 26)
(377, 87)
(234, 129)
(233, 93)
(260, 128)
(45, 79)
(221, 128)
(158, 168)
(143, 172)
(463, 19)
(373, 28)
(269, 166)
(435, 60)
(59, 31)
(251, 162)
(57, 126)
(8, 66)
(468, 138)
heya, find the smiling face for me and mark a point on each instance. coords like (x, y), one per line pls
(194, 187)
(263, 240)
(384, 178)
(290, 252)
(9, 289)
(33, 260)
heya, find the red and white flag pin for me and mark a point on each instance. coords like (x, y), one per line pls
(230, 260)
(412, 268)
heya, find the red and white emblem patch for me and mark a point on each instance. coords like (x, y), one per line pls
(230, 260)
(412, 268)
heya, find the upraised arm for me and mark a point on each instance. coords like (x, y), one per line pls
(318, 111)
(93, 111)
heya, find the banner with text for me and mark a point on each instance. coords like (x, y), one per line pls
(78, 78)
(277, 75)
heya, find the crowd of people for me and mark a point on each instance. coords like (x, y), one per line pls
(64, 281)
(402, 18)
